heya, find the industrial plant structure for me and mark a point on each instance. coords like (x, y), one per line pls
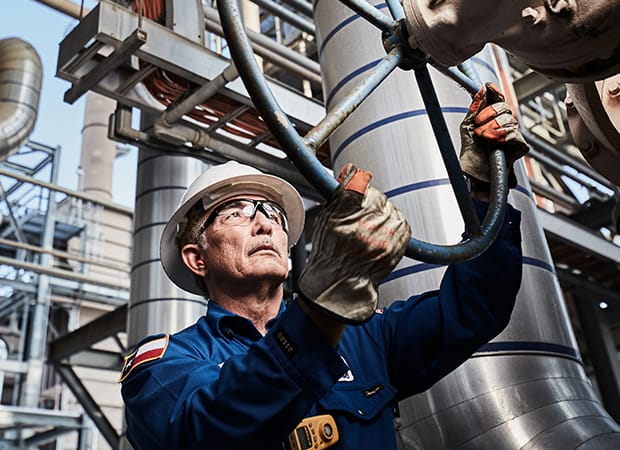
(80, 277)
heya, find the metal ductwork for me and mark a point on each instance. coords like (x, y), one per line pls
(593, 111)
(20, 85)
(575, 41)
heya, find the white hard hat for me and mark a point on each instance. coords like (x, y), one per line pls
(215, 186)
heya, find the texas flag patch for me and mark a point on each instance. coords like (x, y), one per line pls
(147, 351)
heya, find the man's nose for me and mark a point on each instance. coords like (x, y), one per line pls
(261, 223)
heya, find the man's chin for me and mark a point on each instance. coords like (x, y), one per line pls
(269, 272)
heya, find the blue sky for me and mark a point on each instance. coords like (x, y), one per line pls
(59, 123)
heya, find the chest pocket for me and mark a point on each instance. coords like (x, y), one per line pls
(363, 401)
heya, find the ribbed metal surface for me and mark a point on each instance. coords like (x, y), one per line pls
(527, 388)
(20, 86)
(518, 402)
(156, 305)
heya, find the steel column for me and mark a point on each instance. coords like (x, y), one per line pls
(31, 389)
(601, 349)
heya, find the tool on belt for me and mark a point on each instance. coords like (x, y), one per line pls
(316, 433)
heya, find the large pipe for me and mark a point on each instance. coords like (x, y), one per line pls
(20, 85)
(574, 41)
(66, 7)
(98, 152)
(527, 388)
(270, 50)
(37, 336)
(593, 114)
(155, 304)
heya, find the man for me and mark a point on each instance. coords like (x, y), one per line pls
(255, 373)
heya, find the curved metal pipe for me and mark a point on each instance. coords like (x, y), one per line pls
(302, 155)
(584, 33)
(20, 85)
(66, 7)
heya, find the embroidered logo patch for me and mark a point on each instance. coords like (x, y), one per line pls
(372, 391)
(285, 343)
(348, 376)
(148, 351)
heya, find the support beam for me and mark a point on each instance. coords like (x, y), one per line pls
(579, 236)
(12, 417)
(84, 337)
(601, 349)
(89, 404)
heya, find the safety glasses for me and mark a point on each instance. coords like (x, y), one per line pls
(241, 211)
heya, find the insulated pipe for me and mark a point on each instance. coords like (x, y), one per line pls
(575, 41)
(67, 7)
(251, 20)
(270, 50)
(37, 335)
(287, 15)
(527, 388)
(20, 85)
(155, 304)
(98, 152)
(593, 114)
(4, 356)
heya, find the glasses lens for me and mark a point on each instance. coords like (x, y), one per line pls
(242, 211)
(273, 212)
(270, 212)
(236, 212)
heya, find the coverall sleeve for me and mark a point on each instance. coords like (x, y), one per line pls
(254, 400)
(428, 336)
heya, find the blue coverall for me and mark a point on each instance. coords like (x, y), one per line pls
(220, 385)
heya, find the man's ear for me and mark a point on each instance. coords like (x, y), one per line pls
(192, 257)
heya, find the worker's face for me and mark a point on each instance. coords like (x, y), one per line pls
(254, 249)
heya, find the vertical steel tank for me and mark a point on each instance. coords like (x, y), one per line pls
(525, 389)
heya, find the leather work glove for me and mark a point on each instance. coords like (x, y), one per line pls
(489, 124)
(358, 238)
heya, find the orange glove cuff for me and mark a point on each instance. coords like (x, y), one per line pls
(354, 179)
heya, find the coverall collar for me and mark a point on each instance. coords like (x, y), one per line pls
(229, 325)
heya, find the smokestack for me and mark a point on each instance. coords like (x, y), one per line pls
(98, 152)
